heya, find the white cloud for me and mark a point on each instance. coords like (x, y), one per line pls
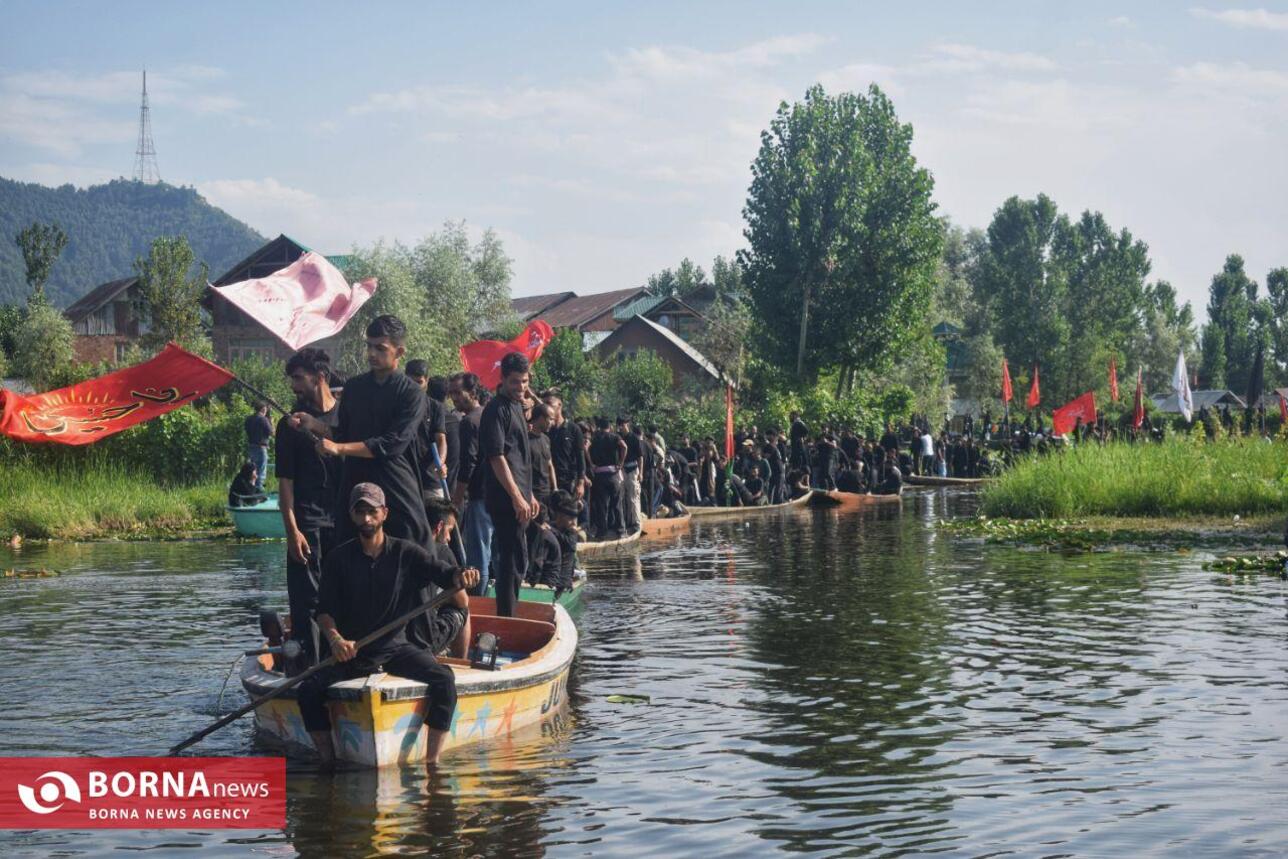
(955, 58)
(53, 175)
(1120, 21)
(1239, 76)
(1249, 19)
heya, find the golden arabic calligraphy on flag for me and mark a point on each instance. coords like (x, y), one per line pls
(88, 411)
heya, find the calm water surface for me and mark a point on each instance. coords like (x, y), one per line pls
(818, 682)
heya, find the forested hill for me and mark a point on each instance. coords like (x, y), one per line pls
(107, 227)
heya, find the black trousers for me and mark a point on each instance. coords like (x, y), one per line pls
(606, 504)
(400, 660)
(510, 556)
(302, 591)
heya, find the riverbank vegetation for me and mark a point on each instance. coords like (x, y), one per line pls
(1183, 476)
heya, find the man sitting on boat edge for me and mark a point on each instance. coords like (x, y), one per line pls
(367, 582)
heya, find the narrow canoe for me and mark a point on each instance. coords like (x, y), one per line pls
(601, 548)
(666, 527)
(259, 520)
(705, 512)
(931, 480)
(569, 599)
(836, 498)
(378, 720)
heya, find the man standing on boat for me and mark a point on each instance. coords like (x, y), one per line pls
(476, 524)
(506, 459)
(306, 483)
(259, 432)
(380, 417)
(366, 583)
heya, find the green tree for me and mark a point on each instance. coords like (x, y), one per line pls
(171, 286)
(723, 335)
(565, 366)
(1231, 336)
(42, 346)
(1277, 288)
(41, 244)
(639, 386)
(839, 216)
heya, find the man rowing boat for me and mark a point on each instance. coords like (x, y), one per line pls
(366, 583)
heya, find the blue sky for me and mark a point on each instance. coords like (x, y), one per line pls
(605, 141)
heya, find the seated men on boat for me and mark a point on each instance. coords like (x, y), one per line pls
(851, 479)
(892, 482)
(755, 495)
(554, 551)
(448, 630)
(366, 583)
(243, 492)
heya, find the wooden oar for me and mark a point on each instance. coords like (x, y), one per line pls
(326, 663)
(457, 546)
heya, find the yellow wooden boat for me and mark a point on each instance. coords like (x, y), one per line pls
(378, 720)
(600, 548)
(848, 500)
(707, 512)
(667, 526)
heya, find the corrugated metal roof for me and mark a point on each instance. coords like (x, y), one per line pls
(97, 297)
(679, 342)
(638, 307)
(1201, 399)
(530, 305)
(580, 309)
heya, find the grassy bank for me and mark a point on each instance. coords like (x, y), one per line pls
(1181, 477)
(103, 501)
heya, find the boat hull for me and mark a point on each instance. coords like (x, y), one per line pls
(666, 527)
(931, 480)
(378, 721)
(569, 599)
(849, 500)
(260, 520)
(709, 512)
(600, 548)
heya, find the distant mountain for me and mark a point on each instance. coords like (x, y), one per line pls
(107, 227)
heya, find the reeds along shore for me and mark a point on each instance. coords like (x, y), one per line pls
(1183, 476)
(97, 501)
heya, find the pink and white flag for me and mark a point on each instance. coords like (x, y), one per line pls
(305, 302)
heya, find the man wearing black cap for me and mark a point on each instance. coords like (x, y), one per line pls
(366, 583)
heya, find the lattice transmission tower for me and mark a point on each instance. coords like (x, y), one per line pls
(145, 154)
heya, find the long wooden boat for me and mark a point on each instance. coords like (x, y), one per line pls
(600, 548)
(378, 720)
(569, 599)
(932, 480)
(666, 527)
(259, 520)
(849, 500)
(706, 512)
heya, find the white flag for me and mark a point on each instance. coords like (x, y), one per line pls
(1181, 385)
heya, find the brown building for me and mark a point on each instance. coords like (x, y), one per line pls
(592, 315)
(106, 321)
(640, 333)
(667, 311)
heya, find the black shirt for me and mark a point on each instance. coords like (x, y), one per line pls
(314, 478)
(503, 431)
(603, 448)
(566, 442)
(386, 416)
(258, 430)
(452, 422)
(539, 444)
(435, 423)
(470, 474)
(361, 593)
(545, 559)
(632, 450)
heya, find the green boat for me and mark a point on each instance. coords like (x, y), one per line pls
(570, 599)
(260, 520)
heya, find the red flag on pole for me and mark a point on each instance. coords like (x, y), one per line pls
(729, 423)
(97, 408)
(1138, 410)
(305, 302)
(483, 357)
(1065, 418)
(1007, 391)
(1283, 409)
(1035, 395)
(1113, 378)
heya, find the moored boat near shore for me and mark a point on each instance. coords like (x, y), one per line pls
(259, 520)
(837, 498)
(600, 548)
(378, 720)
(932, 480)
(569, 599)
(706, 512)
(666, 527)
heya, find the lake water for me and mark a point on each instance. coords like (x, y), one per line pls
(820, 681)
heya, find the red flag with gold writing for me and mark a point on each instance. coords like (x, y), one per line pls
(97, 408)
(483, 357)
(1065, 418)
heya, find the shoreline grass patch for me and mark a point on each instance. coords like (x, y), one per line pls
(1180, 477)
(102, 500)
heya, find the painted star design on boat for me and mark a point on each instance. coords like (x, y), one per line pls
(480, 720)
(507, 717)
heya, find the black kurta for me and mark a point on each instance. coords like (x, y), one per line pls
(386, 416)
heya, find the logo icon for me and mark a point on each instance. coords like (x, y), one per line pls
(57, 788)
